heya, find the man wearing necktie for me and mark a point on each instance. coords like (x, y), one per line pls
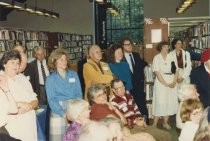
(136, 65)
(38, 71)
(200, 76)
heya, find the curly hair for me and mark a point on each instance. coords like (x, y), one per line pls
(160, 45)
(187, 108)
(125, 39)
(94, 89)
(111, 52)
(54, 56)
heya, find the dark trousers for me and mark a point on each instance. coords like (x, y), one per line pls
(42, 97)
(140, 99)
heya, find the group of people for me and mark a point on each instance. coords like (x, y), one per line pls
(114, 90)
(174, 74)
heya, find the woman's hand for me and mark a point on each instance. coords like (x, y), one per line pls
(180, 79)
(23, 107)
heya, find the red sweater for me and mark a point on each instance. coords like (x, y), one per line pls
(100, 111)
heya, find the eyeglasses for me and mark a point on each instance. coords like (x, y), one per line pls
(100, 95)
(127, 44)
(120, 88)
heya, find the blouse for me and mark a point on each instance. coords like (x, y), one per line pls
(62, 89)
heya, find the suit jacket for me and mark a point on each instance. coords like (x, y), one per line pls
(80, 66)
(33, 73)
(200, 77)
(138, 72)
(92, 74)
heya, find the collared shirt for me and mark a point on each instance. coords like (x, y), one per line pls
(127, 57)
(41, 79)
(62, 89)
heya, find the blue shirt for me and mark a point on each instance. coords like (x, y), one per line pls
(122, 71)
(60, 89)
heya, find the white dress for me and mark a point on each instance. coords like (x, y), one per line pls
(4, 110)
(165, 100)
(23, 126)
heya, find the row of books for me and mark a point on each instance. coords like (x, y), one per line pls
(73, 37)
(22, 35)
(201, 43)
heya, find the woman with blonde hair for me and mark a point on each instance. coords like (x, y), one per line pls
(61, 85)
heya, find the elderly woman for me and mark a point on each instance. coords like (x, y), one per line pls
(96, 71)
(22, 125)
(100, 107)
(165, 100)
(61, 85)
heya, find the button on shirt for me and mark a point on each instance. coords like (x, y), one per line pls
(127, 57)
(41, 79)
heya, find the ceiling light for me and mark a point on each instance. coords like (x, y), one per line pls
(27, 8)
(184, 5)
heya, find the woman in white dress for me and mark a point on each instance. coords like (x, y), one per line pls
(182, 61)
(23, 124)
(165, 101)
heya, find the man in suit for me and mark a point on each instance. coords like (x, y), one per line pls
(200, 76)
(136, 65)
(37, 70)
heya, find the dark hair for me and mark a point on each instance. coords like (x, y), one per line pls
(161, 44)
(125, 39)
(115, 81)
(9, 55)
(111, 52)
(175, 40)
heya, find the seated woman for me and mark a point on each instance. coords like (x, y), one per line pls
(10, 107)
(78, 113)
(23, 125)
(191, 112)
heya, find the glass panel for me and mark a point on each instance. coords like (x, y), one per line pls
(130, 21)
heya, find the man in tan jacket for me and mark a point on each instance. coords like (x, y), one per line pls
(96, 71)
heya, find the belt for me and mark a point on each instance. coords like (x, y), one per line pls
(168, 73)
(41, 85)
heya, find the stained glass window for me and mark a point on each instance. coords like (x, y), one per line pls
(129, 22)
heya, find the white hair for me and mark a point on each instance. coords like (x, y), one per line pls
(94, 131)
(185, 91)
(75, 107)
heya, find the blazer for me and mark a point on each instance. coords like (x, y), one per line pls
(138, 72)
(200, 77)
(92, 74)
(33, 73)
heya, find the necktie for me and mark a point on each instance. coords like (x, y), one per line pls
(43, 71)
(132, 61)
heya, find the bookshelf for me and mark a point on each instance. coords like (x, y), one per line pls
(9, 37)
(149, 83)
(75, 44)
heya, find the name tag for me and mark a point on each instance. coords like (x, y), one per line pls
(105, 68)
(72, 80)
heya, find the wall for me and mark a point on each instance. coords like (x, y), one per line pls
(76, 16)
(167, 9)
